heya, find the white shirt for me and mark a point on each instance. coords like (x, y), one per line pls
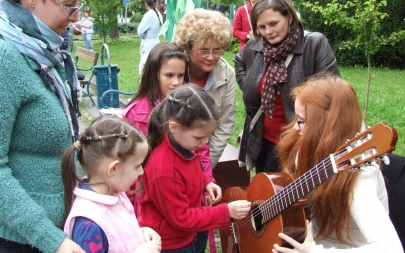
(370, 229)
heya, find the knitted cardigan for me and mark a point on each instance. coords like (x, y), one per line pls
(34, 131)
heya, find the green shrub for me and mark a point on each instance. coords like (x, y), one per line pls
(127, 28)
(136, 18)
(387, 56)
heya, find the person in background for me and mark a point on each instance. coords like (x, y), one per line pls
(165, 69)
(86, 29)
(99, 216)
(174, 178)
(205, 35)
(38, 120)
(349, 212)
(242, 29)
(148, 30)
(265, 80)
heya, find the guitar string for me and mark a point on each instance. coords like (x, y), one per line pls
(239, 224)
(284, 192)
(290, 189)
(276, 198)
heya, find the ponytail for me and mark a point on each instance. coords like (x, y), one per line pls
(69, 177)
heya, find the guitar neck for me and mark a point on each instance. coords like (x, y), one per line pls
(297, 189)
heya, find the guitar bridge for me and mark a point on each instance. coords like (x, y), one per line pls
(233, 232)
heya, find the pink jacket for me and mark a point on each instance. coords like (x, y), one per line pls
(114, 214)
(138, 114)
(241, 26)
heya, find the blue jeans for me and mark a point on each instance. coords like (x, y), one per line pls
(13, 247)
(201, 242)
(88, 44)
(190, 248)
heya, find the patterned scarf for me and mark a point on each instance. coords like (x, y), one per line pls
(18, 27)
(276, 75)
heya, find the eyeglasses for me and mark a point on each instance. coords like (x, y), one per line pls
(300, 122)
(206, 52)
(70, 10)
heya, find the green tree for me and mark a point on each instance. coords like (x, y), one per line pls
(363, 18)
(106, 17)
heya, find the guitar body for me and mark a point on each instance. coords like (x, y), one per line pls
(252, 238)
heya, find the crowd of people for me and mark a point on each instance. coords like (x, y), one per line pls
(144, 182)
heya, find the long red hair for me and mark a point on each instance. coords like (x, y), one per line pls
(332, 115)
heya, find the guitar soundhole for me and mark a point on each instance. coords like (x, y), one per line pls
(258, 228)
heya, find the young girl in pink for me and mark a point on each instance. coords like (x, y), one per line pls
(99, 216)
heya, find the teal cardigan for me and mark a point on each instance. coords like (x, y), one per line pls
(34, 131)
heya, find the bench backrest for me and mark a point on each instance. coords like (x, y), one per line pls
(87, 55)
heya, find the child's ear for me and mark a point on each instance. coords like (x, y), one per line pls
(173, 126)
(112, 167)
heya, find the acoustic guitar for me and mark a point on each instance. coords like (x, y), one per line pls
(276, 198)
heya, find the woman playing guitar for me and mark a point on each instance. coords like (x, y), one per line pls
(350, 210)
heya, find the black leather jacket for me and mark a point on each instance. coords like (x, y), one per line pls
(312, 54)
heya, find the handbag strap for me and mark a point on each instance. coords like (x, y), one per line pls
(259, 112)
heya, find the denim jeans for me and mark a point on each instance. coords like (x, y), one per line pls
(201, 242)
(13, 247)
(190, 248)
(87, 39)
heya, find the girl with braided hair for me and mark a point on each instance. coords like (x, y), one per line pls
(174, 180)
(148, 30)
(99, 216)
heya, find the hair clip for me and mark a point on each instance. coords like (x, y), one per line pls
(77, 145)
(89, 138)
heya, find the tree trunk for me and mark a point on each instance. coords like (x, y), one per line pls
(114, 33)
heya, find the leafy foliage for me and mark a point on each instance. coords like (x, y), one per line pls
(390, 52)
(105, 16)
(363, 18)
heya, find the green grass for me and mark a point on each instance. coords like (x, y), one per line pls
(386, 94)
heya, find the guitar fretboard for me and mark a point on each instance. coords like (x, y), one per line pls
(296, 190)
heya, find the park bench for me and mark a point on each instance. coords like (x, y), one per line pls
(85, 80)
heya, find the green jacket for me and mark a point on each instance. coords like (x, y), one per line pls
(34, 131)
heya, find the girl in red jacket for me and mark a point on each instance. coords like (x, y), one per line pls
(174, 178)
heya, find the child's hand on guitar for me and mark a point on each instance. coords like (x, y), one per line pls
(305, 247)
(214, 191)
(239, 209)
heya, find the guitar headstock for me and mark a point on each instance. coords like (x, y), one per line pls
(365, 147)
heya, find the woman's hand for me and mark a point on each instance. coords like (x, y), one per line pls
(305, 247)
(69, 246)
(214, 191)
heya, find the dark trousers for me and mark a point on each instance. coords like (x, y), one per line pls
(201, 242)
(267, 160)
(13, 247)
(190, 248)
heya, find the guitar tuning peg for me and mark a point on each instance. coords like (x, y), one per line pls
(368, 127)
(347, 140)
(386, 160)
